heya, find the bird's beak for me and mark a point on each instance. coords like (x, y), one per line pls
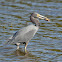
(42, 17)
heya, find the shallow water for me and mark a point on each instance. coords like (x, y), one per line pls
(46, 46)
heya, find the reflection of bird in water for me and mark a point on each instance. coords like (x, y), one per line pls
(20, 53)
(28, 56)
(25, 34)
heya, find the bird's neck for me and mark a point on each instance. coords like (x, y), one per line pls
(35, 21)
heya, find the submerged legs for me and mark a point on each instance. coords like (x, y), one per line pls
(17, 44)
(26, 45)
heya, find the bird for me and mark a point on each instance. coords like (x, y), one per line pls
(25, 34)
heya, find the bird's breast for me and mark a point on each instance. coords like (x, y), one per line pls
(32, 27)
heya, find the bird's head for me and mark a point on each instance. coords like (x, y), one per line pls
(34, 17)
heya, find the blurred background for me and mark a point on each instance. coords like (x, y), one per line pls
(46, 46)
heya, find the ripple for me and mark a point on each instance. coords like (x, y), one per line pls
(46, 45)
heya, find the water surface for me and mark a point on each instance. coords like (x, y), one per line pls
(46, 46)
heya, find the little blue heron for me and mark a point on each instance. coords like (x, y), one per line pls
(25, 34)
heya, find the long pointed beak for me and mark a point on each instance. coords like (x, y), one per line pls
(42, 17)
(46, 19)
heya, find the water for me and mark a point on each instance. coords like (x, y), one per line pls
(46, 46)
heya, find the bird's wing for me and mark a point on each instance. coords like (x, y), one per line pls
(23, 35)
(13, 37)
(29, 35)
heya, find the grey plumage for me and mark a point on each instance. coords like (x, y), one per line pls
(23, 35)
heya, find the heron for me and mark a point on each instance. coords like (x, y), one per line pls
(25, 34)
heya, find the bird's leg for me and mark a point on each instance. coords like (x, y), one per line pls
(26, 45)
(17, 47)
(17, 44)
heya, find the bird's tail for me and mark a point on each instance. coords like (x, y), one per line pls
(8, 42)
